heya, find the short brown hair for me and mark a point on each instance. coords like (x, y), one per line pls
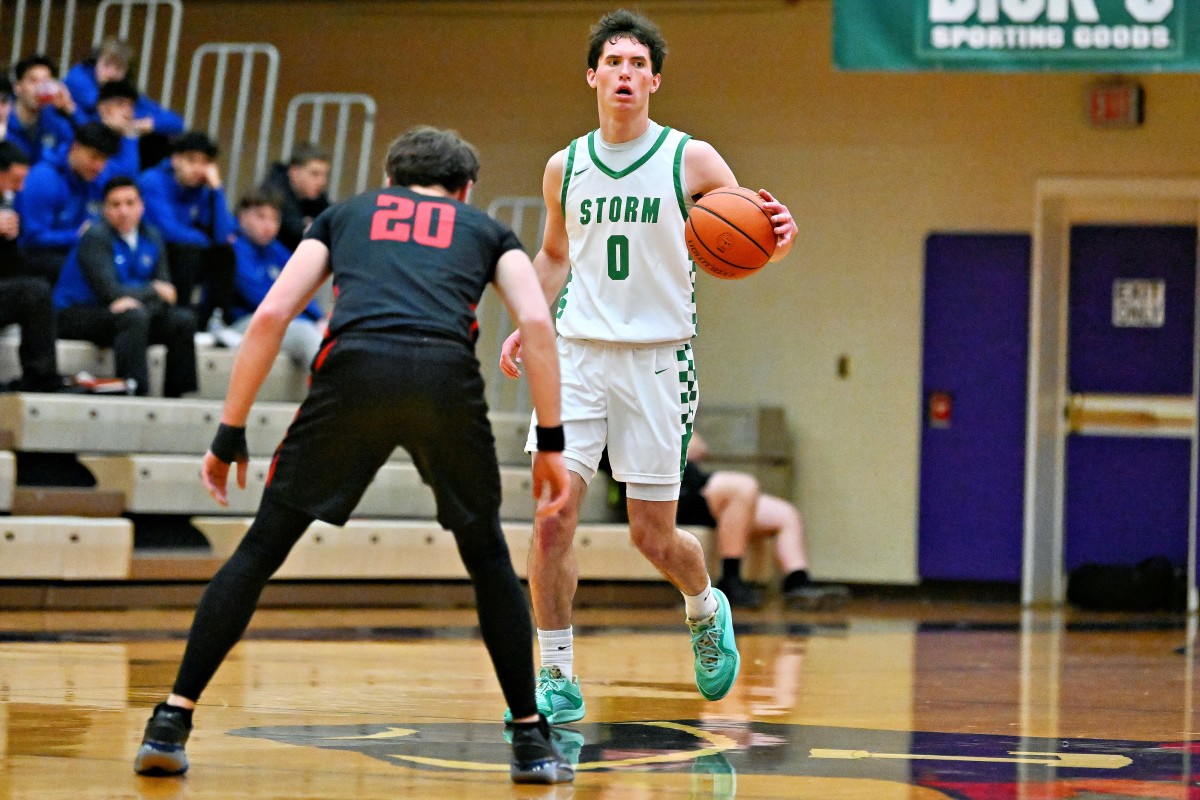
(626, 24)
(260, 197)
(428, 156)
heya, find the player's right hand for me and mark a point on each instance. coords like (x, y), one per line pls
(551, 483)
(215, 474)
(510, 355)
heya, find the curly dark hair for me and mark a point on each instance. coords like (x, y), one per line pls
(624, 23)
(428, 156)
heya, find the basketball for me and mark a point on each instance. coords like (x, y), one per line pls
(729, 234)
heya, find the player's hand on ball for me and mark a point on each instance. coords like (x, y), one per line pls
(510, 355)
(785, 226)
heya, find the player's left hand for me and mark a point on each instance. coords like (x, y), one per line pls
(551, 483)
(510, 355)
(215, 474)
(785, 226)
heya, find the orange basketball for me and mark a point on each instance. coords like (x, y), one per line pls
(729, 234)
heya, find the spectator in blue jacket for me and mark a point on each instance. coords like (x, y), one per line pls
(185, 201)
(6, 107)
(260, 259)
(115, 290)
(24, 299)
(110, 62)
(44, 115)
(62, 196)
(116, 111)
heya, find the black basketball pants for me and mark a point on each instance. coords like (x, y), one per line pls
(371, 393)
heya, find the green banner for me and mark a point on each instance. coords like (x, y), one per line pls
(1017, 35)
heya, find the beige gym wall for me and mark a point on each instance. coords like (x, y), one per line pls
(869, 164)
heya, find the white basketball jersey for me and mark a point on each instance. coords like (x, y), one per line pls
(631, 278)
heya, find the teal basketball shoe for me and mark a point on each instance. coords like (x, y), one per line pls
(717, 658)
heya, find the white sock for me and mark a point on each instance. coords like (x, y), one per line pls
(702, 605)
(558, 650)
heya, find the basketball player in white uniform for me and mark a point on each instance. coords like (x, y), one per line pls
(614, 258)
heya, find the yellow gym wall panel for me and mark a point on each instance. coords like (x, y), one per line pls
(870, 164)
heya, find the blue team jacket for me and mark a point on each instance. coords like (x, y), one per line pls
(131, 270)
(127, 163)
(51, 131)
(55, 203)
(81, 80)
(181, 213)
(257, 269)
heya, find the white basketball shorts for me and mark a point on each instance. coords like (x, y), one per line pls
(640, 400)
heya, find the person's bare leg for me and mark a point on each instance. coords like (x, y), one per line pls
(675, 553)
(732, 499)
(774, 515)
(553, 567)
(680, 558)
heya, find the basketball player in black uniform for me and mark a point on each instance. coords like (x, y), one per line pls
(398, 368)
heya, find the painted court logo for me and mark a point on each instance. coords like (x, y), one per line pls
(968, 766)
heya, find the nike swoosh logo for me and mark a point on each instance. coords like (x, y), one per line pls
(661, 371)
(580, 171)
(564, 647)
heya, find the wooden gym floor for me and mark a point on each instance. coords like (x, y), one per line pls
(885, 698)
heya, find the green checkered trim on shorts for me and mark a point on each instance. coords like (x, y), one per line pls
(689, 397)
(562, 296)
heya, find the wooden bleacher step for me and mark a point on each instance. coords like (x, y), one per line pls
(56, 501)
(65, 548)
(168, 484)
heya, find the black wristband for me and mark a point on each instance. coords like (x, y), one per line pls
(550, 440)
(229, 444)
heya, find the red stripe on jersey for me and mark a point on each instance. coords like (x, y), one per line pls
(321, 356)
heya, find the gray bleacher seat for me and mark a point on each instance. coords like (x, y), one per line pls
(168, 484)
(65, 548)
(8, 479)
(420, 549)
(286, 382)
(96, 424)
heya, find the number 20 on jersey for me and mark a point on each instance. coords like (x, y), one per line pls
(425, 222)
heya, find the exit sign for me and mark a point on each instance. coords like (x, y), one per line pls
(1115, 104)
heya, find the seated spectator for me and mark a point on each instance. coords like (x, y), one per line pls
(115, 106)
(24, 299)
(115, 291)
(260, 259)
(6, 106)
(62, 197)
(44, 115)
(301, 185)
(154, 125)
(731, 503)
(185, 201)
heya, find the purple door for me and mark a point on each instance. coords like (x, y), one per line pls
(975, 354)
(1131, 332)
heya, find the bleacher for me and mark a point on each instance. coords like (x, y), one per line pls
(140, 456)
(146, 452)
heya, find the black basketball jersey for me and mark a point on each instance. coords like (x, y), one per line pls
(404, 261)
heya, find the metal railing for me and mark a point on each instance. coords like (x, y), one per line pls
(527, 218)
(149, 32)
(223, 52)
(45, 16)
(344, 103)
